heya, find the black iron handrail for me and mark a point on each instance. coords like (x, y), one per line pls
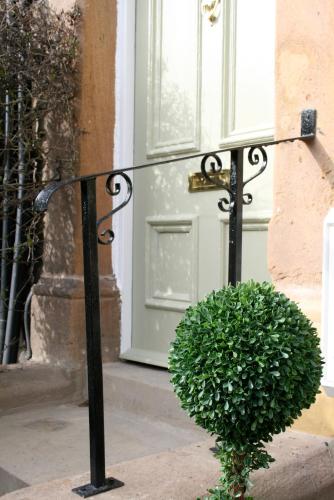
(232, 203)
(44, 196)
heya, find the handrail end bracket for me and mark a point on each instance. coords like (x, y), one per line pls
(308, 124)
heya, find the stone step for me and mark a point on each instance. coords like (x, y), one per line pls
(303, 471)
(46, 443)
(144, 390)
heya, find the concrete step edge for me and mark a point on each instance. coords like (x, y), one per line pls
(303, 471)
(132, 388)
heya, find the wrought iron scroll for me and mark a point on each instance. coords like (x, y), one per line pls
(257, 155)
(215, 163)
(106, 237)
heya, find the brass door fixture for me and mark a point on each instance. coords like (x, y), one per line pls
(211, 10)
(197, 182)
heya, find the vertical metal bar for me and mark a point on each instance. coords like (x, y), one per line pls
(5, 231)
(11, 308)
(12, 336)
(99, 483)
(5, 274)
(93, 333)
(235, 229)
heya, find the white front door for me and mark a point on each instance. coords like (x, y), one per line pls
(198, 87)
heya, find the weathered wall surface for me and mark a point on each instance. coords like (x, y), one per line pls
(304, 173)
(58, 325)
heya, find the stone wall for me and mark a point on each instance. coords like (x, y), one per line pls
(58, 325)
(304, 173)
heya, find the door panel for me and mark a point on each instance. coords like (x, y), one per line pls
(197, 87)
(174, 77)
(248, 79)
(171, 262)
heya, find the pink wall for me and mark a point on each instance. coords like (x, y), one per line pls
(304, 174)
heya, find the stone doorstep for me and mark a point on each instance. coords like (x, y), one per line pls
(143, 390)
(303, 470)
(31, 384)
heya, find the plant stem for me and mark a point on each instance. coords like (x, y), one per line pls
(238, 462)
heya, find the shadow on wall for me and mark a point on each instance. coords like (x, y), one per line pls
(53, 337)
(323, 159)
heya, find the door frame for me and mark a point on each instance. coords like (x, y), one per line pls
(123, 157)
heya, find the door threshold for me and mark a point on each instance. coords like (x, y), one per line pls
(147, 357)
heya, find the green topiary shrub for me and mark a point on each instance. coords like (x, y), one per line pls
(244, 363)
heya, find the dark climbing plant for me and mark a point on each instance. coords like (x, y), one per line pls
(39, 67)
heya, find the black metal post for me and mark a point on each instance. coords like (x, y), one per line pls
(235, 229)
(99, 483)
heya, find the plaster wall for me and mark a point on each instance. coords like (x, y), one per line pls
(304, 173)
(58, 326)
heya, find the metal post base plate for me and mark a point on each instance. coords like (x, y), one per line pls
(88, 490)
